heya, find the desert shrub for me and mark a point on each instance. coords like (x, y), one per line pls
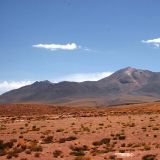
(123, 145)
(11, 154)
(37, 154)
(155, 136)
(78, 150)
(82, 158)
(122, 137)
(122, 151)
(21, 136)
(155, 128)
(26, 124)
(34, 146)
(48, 139)
(60, 130)
(105, 141)
(96, 143)
(112, 157)
(8, 145)
(42, 136)
(102, 141)
(79, 158)
(13, 140)
(62, 140)
(71, 138)
(57, 153)
(37, 148)
(19, 149)
(1, 144)
(149, 157)
(23, 159)
(86, 129)
(135, 145)
(147, 148)
(77, 153)
(4, 147)
(132, 125)
(28, 151)
(144, 128)
(3, 152)
(34, 128)
(3, 127)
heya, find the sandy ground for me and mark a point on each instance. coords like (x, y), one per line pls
(46, 132)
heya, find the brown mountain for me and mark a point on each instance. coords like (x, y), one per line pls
(128, 85)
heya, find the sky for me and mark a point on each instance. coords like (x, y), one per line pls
(76, 40)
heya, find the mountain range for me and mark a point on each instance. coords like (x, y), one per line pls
(128, 85)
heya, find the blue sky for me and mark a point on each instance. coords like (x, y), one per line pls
(76, 39)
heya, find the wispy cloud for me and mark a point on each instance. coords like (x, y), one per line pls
(154, 42)
(53, 47)
(90, 50)
(7, 86)
(80, 77)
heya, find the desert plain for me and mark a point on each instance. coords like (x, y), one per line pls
(48, 132)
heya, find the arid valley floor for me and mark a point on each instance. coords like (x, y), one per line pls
(45, 132)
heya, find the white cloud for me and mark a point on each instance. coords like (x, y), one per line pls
(68, 46)
(155, 42)
(80, 77)
(53, 47)
(7, 86)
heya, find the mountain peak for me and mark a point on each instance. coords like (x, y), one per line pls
(129, 70)
(43, 82)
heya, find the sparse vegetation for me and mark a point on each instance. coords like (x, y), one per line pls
(122, 131)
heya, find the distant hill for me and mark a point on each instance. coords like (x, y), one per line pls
(128, 85)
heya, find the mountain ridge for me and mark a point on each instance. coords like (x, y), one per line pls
(127, 85)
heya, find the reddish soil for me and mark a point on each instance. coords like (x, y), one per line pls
(46, 132)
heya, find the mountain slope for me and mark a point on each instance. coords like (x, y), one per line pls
(128, 85)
